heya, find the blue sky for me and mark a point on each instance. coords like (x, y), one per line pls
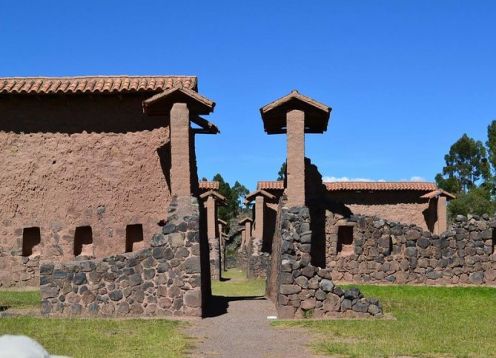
(405, 79)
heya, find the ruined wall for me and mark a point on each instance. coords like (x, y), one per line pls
(389, 252)
(164, 279)
(401, 206)
(304, 290)
(78, 161)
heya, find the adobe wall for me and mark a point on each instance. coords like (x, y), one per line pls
(405, 207)
(77, 161)
(162, 280)
(390, 252)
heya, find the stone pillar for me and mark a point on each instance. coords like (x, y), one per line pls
(222, 245)
(213, 240)
(247, 234)
(295, 127)
(442, 220)
(259, 220)
(180, 150)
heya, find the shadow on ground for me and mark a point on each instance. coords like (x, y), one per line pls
(218, 305)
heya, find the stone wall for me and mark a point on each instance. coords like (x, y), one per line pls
(78, 161)
(304, 290)
(258, 265)
(19, 271)
(390, 252)
(162, 280)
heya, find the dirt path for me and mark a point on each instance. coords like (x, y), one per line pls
(240, 328)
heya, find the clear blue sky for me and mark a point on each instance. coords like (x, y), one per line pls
(405, 79)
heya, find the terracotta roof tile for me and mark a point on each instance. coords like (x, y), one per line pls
(348, 185)
(270, 185)
(93, 84)
(208, 185)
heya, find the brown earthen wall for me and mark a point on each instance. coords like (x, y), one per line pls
(78, 161)
(404, 207)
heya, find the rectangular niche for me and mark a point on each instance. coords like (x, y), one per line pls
(83, 241)
(345, 245)
(134, 237)
(31, 239)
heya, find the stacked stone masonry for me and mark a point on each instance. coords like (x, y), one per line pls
(390, 252)
(305, 290)
(162, 280)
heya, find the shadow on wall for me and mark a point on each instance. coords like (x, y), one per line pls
(164, 154)
(318, 201)
(77, 114)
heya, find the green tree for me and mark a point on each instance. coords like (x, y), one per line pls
(476, 201)
(466, 165)
(282, 172)
(233, 197)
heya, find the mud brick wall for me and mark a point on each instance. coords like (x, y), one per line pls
(162, 280)
(390, 252)
(304, 289)
(78, 161)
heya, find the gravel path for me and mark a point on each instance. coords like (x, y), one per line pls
(239, 328)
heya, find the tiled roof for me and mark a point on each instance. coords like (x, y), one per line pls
(208, 185)
(93, 84)
(370, 186)
(349, 185)
(270, 185)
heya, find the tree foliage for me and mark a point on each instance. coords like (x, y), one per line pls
(282, 171)
(466, 166)
(476, 201)
(233, 197)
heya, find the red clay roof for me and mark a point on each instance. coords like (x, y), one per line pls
(93, 84)
(348, 185)
(208, 185)
(270, 185)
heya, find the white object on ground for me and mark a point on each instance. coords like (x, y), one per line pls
(22, 347)
(271, 317)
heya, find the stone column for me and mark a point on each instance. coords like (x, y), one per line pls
(213, 240)
(442, 220)
(248, 234)
(295, 127)
(259, 220)
(180, 150)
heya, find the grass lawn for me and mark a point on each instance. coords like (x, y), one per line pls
(93, 337)
(429, 322)
(236, 284)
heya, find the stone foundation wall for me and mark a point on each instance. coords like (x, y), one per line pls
(305, 290)
(258, 265)
(162, 280)
(19, 271)
(389, 252)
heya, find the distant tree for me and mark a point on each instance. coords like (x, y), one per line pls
(282, 172)
(233, 197)
(476, 201)
(491, 143)
(466, 166)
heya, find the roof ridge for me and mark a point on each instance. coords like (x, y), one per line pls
(92, 76)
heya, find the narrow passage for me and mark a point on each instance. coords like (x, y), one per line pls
(238, 324)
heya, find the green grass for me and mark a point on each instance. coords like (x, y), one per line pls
(428, 322)
(237, 284)
(20, 299)
(94, 337)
